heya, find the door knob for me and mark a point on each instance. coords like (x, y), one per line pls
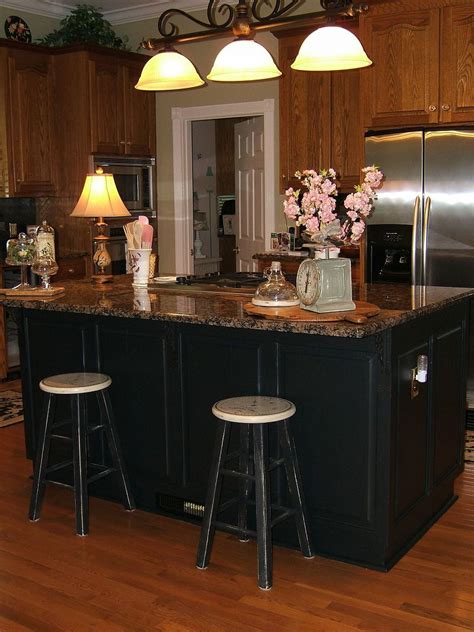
(236, 250)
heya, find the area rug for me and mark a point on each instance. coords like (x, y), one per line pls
(469, 447)
(11, 408)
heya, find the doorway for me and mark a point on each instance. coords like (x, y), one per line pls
(183, 119)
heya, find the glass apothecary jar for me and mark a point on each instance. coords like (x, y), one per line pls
(21, 251)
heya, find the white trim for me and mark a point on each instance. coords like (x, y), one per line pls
(182, 168)
(147, 10)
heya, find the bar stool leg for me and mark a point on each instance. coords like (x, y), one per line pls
(115, 451)
(79, 444)
(263, 510)
(244, 484)
(213, 495)
(295, 487)
(41, 458)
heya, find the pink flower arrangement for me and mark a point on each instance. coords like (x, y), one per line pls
(315, 208)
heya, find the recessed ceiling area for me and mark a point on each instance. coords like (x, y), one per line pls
(116, 11)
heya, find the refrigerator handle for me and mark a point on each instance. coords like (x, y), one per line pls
(414, 239)
(426, 227)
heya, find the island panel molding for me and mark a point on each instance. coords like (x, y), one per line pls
(378, 465)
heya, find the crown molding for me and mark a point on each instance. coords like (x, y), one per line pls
(144, 11)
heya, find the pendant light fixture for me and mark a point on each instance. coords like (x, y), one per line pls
(243, 59)
(331, 48)
(169, 70)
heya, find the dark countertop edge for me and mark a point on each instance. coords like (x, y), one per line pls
(342, 329)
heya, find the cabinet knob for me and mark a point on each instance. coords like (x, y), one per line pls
(283, 176)
(432, 108)
(445, 107)
(122, 142)
(129, 142)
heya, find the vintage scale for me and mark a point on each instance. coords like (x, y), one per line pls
(325, 285)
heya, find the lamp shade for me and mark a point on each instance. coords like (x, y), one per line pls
(331, 48)
(243, 60)
(100, 198)
(169, 70)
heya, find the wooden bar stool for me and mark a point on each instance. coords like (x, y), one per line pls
(77, 386)
(254, 412)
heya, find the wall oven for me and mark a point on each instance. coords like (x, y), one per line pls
(135, 181)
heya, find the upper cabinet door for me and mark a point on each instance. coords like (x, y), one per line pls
(457, 65)
(106, 106)
(305, 125)
(139, 115)
(402, 85)
(32, 166)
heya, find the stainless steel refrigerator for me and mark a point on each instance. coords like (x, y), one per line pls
(429, 186)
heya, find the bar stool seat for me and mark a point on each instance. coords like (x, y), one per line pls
(75, 383)
(78, 386)
(254, 410)
(253, 413)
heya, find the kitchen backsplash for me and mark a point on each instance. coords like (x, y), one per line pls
(19, 211)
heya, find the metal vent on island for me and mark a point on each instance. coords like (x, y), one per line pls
(179, 506)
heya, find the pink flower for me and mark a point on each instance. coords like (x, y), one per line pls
(316, 208)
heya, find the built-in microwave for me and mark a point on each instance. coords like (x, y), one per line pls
(134, 179)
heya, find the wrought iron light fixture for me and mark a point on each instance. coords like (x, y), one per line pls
(243, 59)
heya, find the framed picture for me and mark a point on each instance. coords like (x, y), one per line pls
(229, 224)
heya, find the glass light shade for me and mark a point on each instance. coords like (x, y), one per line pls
(243, 60)
(100, 198)
(331, 48)
(169, 70)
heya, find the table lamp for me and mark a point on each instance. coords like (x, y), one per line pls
(100, 198)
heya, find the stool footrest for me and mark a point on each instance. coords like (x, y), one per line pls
(58, 466)
(228, 503)
(101, 474)
(237, 474)
(232, 528)
(287, 513)
(62, 437)
(274, 463)
(92, 429)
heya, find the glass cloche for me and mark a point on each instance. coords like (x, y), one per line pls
(276, 291)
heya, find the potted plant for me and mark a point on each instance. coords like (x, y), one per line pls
(85, 24)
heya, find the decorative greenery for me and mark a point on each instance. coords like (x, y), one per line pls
(85, 24)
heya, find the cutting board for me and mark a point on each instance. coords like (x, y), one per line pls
(359, 315)
(38, 292)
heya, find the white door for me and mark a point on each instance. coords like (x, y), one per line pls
(249, 192)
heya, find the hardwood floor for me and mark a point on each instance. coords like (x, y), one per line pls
(135, 572)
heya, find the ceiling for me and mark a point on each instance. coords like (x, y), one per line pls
(116, 11)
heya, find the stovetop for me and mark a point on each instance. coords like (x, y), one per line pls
(223, 280)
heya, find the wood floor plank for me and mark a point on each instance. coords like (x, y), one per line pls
(136, 572)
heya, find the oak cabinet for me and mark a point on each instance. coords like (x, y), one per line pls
(122, 118)
(27, 153)
(423, 63)
(100, 112)
(320, 123)
(457, 64)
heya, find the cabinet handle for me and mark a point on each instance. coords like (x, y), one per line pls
(432, 108)
(122, 142)
(129, 142)
(445, 107)
(71, 271)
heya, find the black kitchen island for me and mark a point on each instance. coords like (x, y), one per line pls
(378, 461)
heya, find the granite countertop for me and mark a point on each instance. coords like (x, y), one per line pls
(399, 303)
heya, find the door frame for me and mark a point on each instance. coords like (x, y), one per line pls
(182, 119)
